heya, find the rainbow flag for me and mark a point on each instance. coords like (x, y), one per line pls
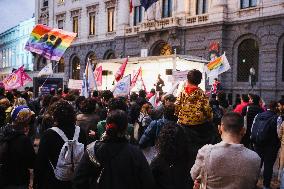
(215, 63)
(51, 43)
(217, 66)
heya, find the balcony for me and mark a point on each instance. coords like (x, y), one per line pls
(160, 24)
(132, 30)
(150, 25)
(195, 20)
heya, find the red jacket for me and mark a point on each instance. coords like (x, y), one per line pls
(240, 107)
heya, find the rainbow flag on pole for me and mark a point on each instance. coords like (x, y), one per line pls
(217, 66)
(51, 43)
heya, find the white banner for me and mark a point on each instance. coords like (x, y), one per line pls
(75, 84)
(180, 75)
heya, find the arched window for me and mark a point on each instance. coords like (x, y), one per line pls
(109, 55)
(61, 65)
(41, 63)
(76, 68)
(162, 48)
(248, 57)
(93, 58)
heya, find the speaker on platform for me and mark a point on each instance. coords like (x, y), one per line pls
(169, 71)
(105, 72)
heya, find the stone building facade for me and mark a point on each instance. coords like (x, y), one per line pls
(251, 32)
(12, 48)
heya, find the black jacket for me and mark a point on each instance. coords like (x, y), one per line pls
(21, 157)
(250, 111)
(171, 176)
(49, 150)
(125, 167)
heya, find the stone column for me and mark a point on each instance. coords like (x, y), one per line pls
(123, 14)
(182, 7)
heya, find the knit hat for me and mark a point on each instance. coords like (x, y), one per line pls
(21, 114)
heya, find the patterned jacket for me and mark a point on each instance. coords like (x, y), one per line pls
(192, 107)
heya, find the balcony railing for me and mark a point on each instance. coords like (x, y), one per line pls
(153, 25)
(199, 19)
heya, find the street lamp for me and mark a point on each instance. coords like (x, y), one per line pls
(252, 77)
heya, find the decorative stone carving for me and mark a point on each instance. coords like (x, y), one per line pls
(110, 3)
(76, 12)
(92, 8)
(61, 16)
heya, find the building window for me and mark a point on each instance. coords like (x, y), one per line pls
(110, 19)
(109, 54)
(61, 65)
(167, 8)
(76, 24)
(45, 3)
(138, 15)
(76, 68)
(248, 57)
(248, 3)
(201, 6)
(92, 24)
(60, 24)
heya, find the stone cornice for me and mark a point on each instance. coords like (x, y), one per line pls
(76, 12)
(110, 3)
(92, 8)
(61, 16)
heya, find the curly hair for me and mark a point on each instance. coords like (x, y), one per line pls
(172, 143)
(63, 114)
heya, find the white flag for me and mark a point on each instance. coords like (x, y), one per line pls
(47, 70)
(123, 86)
(217, 66)
(89, 82)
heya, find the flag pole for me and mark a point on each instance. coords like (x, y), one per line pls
(49, 75)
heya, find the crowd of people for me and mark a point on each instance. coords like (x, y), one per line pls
(107, 142)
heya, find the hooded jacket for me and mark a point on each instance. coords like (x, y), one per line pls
(192, 107)
(113, 163)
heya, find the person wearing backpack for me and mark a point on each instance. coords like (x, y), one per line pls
(265, 140)
(113, 163)
(249, 112)
(17, 154)
(60, 150)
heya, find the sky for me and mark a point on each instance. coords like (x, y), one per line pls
(12, 12)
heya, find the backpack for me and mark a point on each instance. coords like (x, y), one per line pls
(260, 129)
(70, 155)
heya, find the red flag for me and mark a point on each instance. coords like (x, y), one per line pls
(136, 76)
(98, 75)
(16, 79)
(144, 86)
(120, 72)
(130, 6)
